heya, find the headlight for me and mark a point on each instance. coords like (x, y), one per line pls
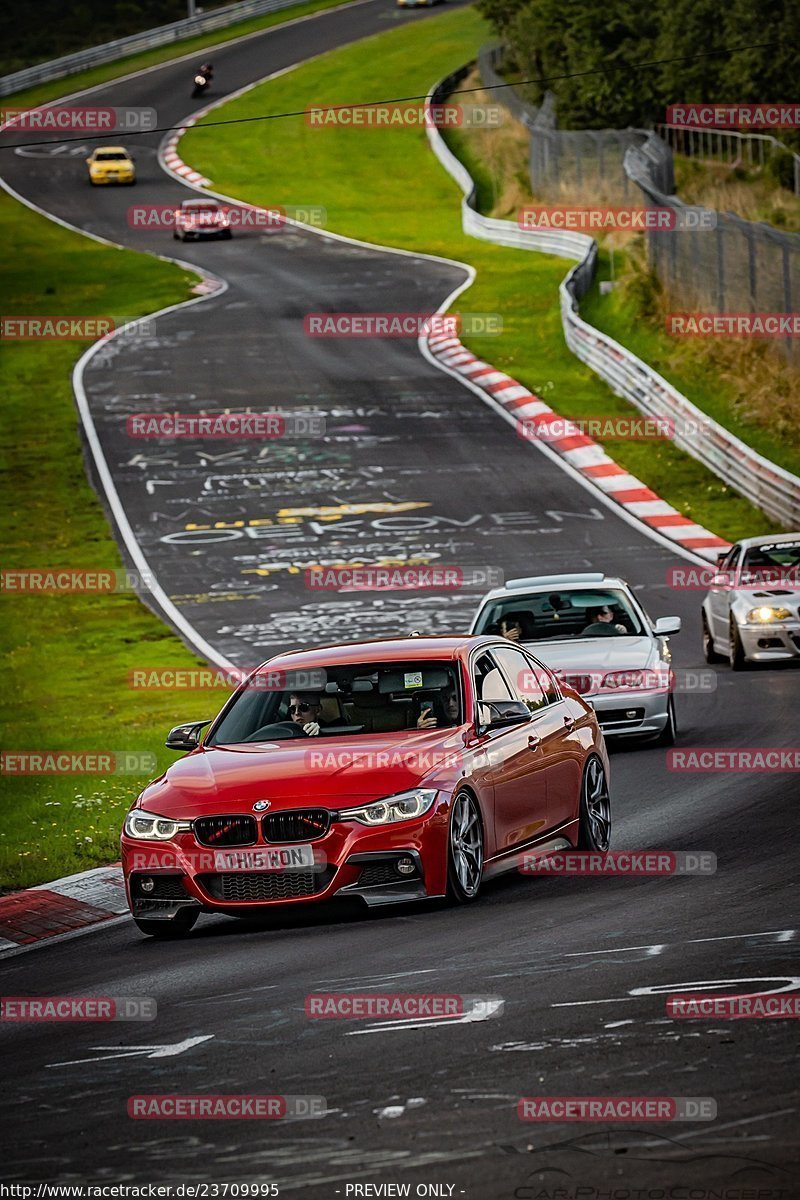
(767, 613)
(403, 807)
(149, 827)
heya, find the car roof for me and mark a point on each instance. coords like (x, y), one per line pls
(588, 581)
(343, 654)
(209, 203)
(116, 149)
(768, 539)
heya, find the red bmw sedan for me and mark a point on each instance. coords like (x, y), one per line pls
(390, 771)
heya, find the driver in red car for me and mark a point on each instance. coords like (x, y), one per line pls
(305, 709)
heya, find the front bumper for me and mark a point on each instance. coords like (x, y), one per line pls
(631, 714)
(766, 641)
(204, 231)
(354, 861)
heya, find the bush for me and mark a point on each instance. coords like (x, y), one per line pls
(780, 168)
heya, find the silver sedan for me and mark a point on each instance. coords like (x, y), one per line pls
(751, 612)
(591, 630)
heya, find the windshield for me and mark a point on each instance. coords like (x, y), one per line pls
(567, 613)
(773, 562)
(343, 700)
(201, 208)
(110, 156)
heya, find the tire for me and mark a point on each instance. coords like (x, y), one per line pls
(178, 927)
(464, 850)
(670, 731)
(594, 817)
(709, 653)
(736, 653)
(227, 235)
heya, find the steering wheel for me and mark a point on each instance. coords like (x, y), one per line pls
(277, 727)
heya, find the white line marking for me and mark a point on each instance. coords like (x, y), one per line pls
(481, 1012)
(139, 1051)
(783, 935)
(703, 985)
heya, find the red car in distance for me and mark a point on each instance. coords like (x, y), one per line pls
(201, 219)
(391, 771)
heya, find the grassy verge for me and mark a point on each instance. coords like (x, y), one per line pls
(750, 192)
(67, 656)
(386, 186)
(747, 386)
(51, 90)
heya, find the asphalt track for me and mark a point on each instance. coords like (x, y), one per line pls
(434, 1104)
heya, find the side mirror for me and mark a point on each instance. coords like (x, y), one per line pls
(721, 579)
(723, 554)
(185, 737)
(503, 713)
(667, 625)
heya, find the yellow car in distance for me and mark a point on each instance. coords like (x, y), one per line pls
(111, 164)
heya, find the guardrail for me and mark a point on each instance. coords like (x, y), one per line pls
(765, 484)
(148, 39)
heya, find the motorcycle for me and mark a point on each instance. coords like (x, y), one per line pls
(201, 82)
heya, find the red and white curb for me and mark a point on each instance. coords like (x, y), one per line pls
(580, 451)
(61, 909)
(172, 162)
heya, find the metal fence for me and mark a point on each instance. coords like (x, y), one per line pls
(768, 486)
(565, 162)
(731, 149)
(738, 267)
(149, 39)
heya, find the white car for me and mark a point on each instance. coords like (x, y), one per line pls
(592, 631)
(752, 610)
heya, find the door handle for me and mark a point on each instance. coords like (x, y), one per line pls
(569, 722)
(534, 741)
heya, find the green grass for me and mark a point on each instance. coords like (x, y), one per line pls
(51, 90)
(698, 370)
(386, 186)
(67, 656)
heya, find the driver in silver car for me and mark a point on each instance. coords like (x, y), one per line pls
(602, 624)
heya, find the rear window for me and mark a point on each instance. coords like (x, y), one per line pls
(110, 156)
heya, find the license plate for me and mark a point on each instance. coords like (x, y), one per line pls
(283, 858)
